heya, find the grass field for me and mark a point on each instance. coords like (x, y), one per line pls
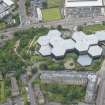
(2, 25)
(51, 14)
(93, 28)
(2, 91)
(54, 3)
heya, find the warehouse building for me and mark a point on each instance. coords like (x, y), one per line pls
(5, 7)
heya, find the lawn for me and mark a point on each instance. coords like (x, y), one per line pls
(2, 91)
(54, 3)
(93, 28)
(51, 14)
(2, 25)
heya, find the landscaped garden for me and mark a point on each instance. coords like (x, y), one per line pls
(66, 94)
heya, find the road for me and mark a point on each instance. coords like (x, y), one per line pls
(18, 101)
(101, 90)
(31, 95)
(22, 13)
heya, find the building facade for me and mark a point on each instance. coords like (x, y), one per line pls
(84, 8)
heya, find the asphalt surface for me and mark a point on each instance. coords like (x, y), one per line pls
(22, 13)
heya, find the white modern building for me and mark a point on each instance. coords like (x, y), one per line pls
(84, 8)
(5, 7)
(87, 46)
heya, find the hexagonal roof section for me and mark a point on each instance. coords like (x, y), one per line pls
(56, 41)
(54, 33)
(100, 35)
(58, 51)
(91, 40)
(68, 44)
(95, 51)
(78, 36)
(45, 50)
(84, 60)
(43, 40)
(81, 47)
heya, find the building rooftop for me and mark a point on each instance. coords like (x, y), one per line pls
(58, 51)
(83, 3)
(45, 50)
(95, 51)
(43, 40)
(100, 35)
(84, 60)
(54, 33)
(81, 47)
(54, 44)
(91, 40)
(8, 2)
(78, 36)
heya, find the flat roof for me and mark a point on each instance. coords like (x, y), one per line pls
(84, 60)
(68, 44)
(58, 51)
(100, 35)
(54, 33)
(78, 36)
(8, 2)
(45, 50)
(43, 40)
(81, 47)
(91, 39)
(69, 3)
(95, 51)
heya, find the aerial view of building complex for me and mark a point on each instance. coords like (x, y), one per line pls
(52, 52)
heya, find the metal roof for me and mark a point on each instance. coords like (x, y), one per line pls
(84, 60)
(95, 51)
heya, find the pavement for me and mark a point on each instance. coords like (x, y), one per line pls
(31, 95)
(18, 101)
(22, 13)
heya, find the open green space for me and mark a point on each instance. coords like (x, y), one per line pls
(51, 14)
(93, 28)
(2, 25)
(4, 90)
(54, 3)
(66, 94)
